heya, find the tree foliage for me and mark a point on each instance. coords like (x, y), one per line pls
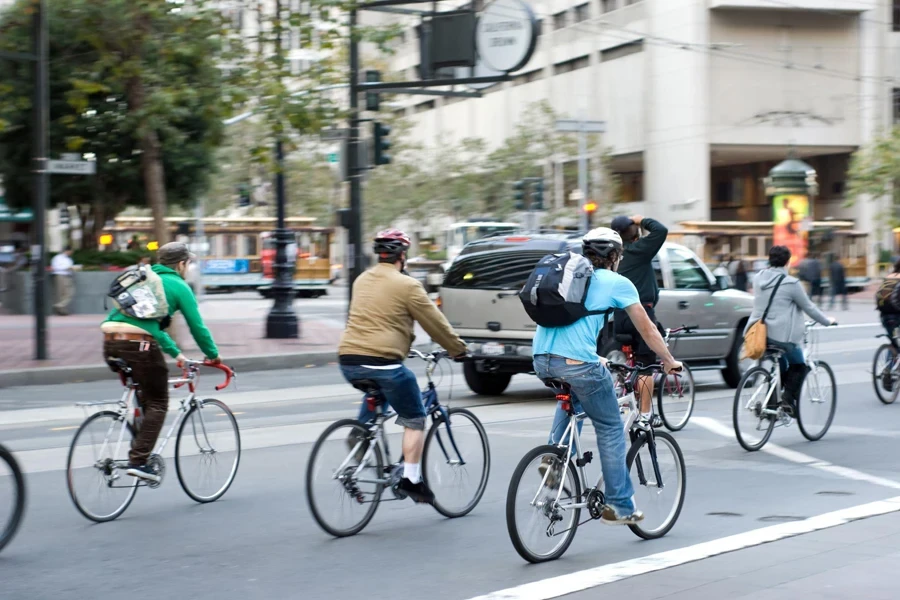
(874, 172)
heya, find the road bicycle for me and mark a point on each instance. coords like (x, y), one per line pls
(886, 370)
(674, 392)
(12, 496)
(350, 465)
(758, 406)
(543, 506)
(207, 447)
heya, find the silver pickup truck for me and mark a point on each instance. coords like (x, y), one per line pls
(479, 298)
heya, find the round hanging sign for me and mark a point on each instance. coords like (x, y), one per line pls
(506, 35)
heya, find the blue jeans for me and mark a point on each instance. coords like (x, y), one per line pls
(400, 390)
(793, 354)
(592, 392)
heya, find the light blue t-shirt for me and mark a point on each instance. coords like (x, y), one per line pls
(578, 341)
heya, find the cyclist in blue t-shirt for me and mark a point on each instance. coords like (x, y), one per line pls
(570, 353)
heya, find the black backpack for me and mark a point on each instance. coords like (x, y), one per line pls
(887, 298)
(556, 290)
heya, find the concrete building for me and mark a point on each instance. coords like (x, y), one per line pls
(701, 98)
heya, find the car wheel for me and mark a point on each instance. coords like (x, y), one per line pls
(485, 384)
(734, 366)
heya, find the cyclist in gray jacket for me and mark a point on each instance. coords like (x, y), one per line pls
(785, 321)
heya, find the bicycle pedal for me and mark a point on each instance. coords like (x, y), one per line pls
(588, 456)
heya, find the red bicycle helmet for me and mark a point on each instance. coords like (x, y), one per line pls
(390, 243)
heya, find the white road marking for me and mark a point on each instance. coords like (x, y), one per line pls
(800, 458)
(555, 587)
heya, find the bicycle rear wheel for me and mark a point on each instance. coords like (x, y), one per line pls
(341, 500)
(12, 496)
(818, 401)
(659, 485)
(541, 528)
(95, 469)
(207, 450)
(884, 377)
(456, 462)
(752, 427)
(675, 398)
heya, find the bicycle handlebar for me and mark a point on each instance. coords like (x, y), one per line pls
(191, 367)
(657, 368)
(436, 356)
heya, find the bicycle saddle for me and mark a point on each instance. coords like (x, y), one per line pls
(117, 365)
(557, 384)
(624, 338)
(368, 386)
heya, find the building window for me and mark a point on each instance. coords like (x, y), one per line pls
(622, 50)
(896, 14)
(570, 65)
(607, 5)
(559, 20)
(582, 12)
(896, 93)
(425, 106)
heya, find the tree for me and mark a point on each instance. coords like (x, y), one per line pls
(136, 85)
(874, 173)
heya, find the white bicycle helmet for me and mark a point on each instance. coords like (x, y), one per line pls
(601, 242)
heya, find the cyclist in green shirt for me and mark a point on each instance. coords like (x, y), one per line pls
(140, 343)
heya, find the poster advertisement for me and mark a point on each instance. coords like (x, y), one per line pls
(791, 218)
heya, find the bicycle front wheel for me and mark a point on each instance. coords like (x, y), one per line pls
(752, 425)
(675, 398)
(456, 462)
(95, 470)
(818, 401)
(344, 478)
(656, 466)
(12, 496)
(540, 513)
(883, 374)
(207, 450)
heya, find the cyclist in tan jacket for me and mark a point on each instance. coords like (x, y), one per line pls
(379, 333)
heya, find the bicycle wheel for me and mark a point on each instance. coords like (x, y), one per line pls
(541, 528)
(751, 426)
(818, 401)
(12, 496)
(456, 462)
(341, 500)
(658, 487)
(95, 469)
(884, 377)
(207, 450)
(675, 398)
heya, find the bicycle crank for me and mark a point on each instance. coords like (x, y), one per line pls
(158, 465)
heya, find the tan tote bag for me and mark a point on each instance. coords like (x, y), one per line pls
(755, 338)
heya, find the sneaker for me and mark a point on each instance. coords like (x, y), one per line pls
(354, 438)
(419, 492)
(655, 422)
(553, 477)
(143, 472)
(609, 517)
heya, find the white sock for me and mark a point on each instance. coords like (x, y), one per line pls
(412, 472)
(646, 415)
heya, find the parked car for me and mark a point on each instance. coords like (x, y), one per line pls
(479, 298)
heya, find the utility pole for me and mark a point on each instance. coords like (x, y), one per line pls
(354, 253)
(582, 128)
(41, 176)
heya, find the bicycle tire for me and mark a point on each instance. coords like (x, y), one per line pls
(11, 527)
(884, 396)
(433, 434)
(671, 423)
(511, 521)
(821, 367)
(69, 475)
(179, 469)
(669, 440)
(354, 425)
(737, 408)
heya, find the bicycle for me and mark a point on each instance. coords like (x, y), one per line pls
(350, 464)
(106, 437)
(886, 370)
(674, 392)
(12, 502)
(763, 408)
(560, 497)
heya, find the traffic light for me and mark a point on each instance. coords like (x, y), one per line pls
(589, 209)
(382, 144)
(537, 197)
(519, 194)
(373, 99)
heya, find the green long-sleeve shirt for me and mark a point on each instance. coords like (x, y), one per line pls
(180, 298)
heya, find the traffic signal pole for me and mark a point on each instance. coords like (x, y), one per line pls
(41, 176)
(354, 256)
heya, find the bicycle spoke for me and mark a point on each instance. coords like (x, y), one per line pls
(456, 463)
(207, 451)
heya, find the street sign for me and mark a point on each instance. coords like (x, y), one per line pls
(72, 167)
(333, 135)
(506, 35)
(581, 126)
(333, 158)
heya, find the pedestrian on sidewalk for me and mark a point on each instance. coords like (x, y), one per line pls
(62, 267)
(810, 273)
(838, 281)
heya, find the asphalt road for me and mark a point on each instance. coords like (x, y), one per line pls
(259, 540)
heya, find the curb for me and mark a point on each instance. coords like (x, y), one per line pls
(88, 373)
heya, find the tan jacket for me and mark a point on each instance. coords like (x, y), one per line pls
(385, 304)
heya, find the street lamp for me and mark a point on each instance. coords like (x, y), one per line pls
(282, 321)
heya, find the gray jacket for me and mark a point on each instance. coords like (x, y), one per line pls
(785, 320)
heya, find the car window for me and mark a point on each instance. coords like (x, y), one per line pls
(686, 271)
(502, 270)
(657, 270)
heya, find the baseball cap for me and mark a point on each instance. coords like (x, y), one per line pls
(174, 253)
(620, 224)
